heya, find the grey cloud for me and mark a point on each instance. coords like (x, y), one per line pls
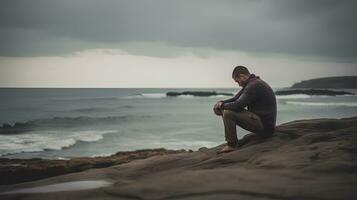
(323, 28)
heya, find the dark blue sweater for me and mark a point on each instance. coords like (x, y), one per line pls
(260, 99)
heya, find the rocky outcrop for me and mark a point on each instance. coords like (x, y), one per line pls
(313, 92)
(305, 159)
(22, 170)
(198, 93)
(329, 82)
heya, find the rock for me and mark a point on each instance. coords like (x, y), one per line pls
(173, 94)
(203, 149)
(304, 159)
(341, 82)
(21, 170)
(312, 92)
(198, 93)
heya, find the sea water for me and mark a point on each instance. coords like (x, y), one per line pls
(66, 123)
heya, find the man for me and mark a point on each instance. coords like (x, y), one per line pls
(260, 115)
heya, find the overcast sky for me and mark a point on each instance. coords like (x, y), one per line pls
(173, 43)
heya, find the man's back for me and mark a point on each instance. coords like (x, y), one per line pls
(262, 101)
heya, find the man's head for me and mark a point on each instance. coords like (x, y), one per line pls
(240, 75)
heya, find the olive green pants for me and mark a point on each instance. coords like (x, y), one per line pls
(245, 119)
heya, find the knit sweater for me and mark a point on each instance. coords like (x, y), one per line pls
(259, 98)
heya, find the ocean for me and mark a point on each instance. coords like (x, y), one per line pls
(67, 123)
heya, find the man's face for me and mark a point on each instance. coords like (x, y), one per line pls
(240, 79)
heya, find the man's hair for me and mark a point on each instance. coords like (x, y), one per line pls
(240, 70)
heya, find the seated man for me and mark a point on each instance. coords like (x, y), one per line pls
(260, 115)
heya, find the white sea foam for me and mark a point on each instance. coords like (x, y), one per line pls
(221, 96)
(154, 95)
(37, 141)
(93, 138)
(62, 158)
(293, 96)
(187, 96)
(336, 104)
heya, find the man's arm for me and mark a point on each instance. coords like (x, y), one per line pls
(233, 98)
(244, 99)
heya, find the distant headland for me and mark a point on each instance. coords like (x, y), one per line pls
(339, 82)
(318, 86)
(312, 92)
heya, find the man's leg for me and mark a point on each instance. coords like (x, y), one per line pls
(245, 119)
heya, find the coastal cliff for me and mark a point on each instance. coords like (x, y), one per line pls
(305, 159)
(329, 82)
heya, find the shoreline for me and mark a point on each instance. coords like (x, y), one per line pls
(14, 170)
(307, 159)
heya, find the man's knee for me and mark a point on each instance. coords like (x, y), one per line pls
(229, 114)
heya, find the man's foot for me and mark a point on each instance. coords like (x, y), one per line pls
(227, 149)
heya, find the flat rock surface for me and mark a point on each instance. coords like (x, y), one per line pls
(306, 159)
(22, 170)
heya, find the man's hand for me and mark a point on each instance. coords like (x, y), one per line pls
(217, 108)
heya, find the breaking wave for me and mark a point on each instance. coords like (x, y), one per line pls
(64, 122)
(95, 109)
(293, 96)
(38, 141)
(146, 96)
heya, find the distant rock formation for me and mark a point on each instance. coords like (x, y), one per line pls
(329, 82)
(198, 93)
(313, 92)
